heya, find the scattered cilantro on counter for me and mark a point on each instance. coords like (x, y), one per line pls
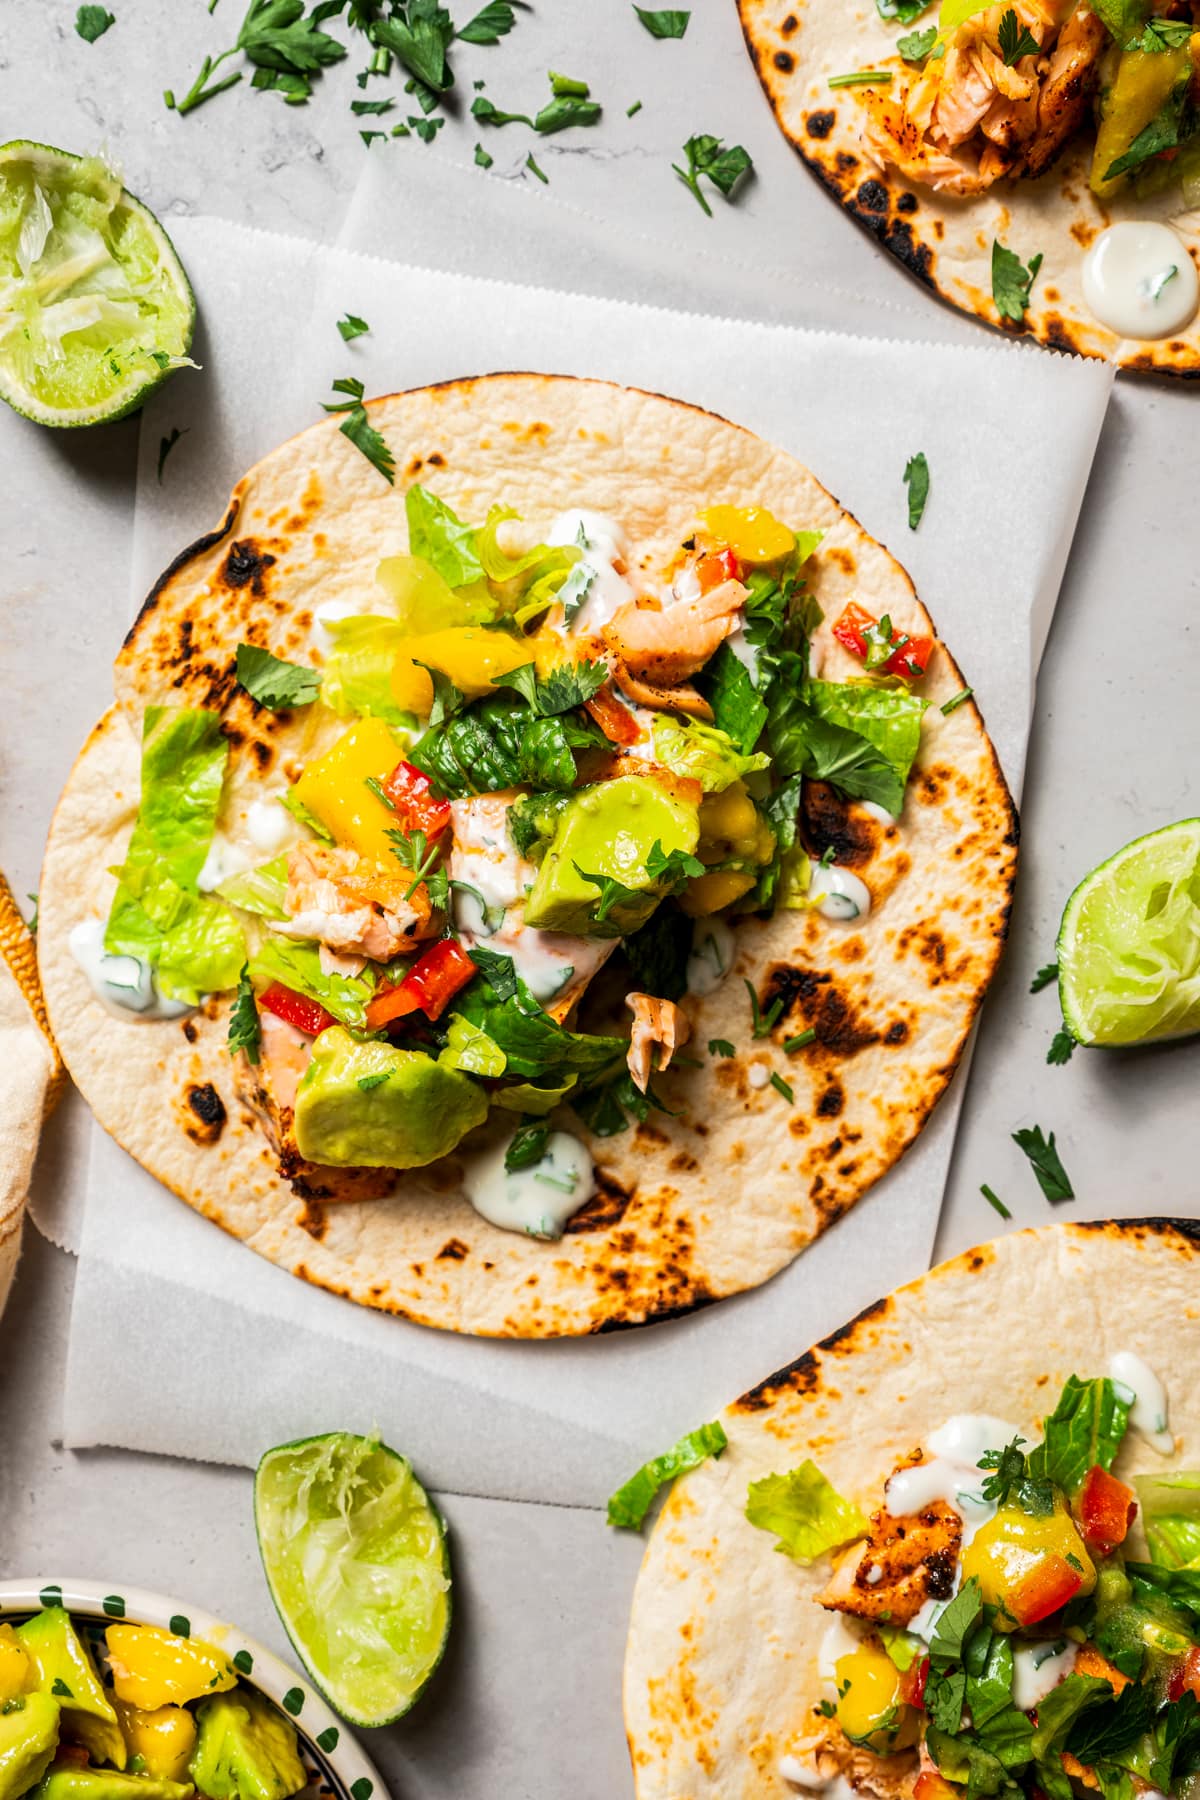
(708, 156)
(1045, 975)
(358, 428)
(91, 22)
(663, 22)
(352, 327)
(1062, 1047)
(916, 480)
(534, 170)
(1046, 1163)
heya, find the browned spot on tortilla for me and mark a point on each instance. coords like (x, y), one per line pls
(820, 124)
(245, 566)
(607, 1206)
(843, 558)
(907, 203)
(873, 197)
(827, 824)
(189, 1031)
(205, 1118)
(846, 162)
(832, 1103)
(535, 432)
(415, 466)
(784, 61)
(804, 1375)
(939, 229)
(438, 461)
(789, 25)
(454, 1251)
(896, 1033)
(311, 1218)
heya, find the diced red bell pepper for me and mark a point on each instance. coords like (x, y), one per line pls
(1048, 1585)
(716, 566)
(1185, 1677)
(1107, 1509)
(910, 655)
(429, 986)
(912, 1683)
(929, 1785)
(418, 808)
(305, 1014)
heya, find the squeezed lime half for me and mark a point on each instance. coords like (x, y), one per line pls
(95, 308)
(356, 1560)
(1129, 944)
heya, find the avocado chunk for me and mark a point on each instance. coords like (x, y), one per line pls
(609, 830)
(28, 1740)
(1144, 82)
(68, 1781)
(245, 1750)
(375, 1106)
(64, 1669)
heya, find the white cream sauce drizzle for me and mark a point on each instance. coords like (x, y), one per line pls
(537, 1201)
(1038, 1669)
(124, 985)
(839, 894)
(602, 543)
(711, 956)
(1148, 1411)
(269, 825)
(1139, 280)
(328, 613)
(811, 1781)
(875, 811)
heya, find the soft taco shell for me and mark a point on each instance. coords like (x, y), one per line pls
(692, 1207)
(946, 242)
(721, 1667)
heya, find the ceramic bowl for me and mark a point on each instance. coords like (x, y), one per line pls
(338, 1768)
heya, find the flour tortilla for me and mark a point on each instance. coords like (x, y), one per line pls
(944, 241)
(721, 1667)
(693, 1207)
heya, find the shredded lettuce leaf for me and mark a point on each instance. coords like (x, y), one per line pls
(705, 754)
(260, 890)
(422, 601)
(539, 573)
(298, 966)
(469, 1048)
(193, 943)
(804, 1511)
(534, 1097)
(357, 678)
(1086, 1427)
(439, 536)
(628, 1507)
(889, 718)
(1171, 1517)
(531, 1040)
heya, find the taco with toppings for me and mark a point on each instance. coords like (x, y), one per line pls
(944, 1554)
(540, 894)
(1034, 162)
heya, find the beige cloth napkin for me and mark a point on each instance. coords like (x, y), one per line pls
(31, 1077)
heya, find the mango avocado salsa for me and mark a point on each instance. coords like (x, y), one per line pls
(170, 1718)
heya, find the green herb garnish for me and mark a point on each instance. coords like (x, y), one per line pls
(1045, 1162)
(708, 156)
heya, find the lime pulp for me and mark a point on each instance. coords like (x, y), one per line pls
(1129, 944)
(95, 308)
(356, 1560)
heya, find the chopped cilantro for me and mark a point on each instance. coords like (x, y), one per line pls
(352, 326)
(956, 700)
(1045, 1162)
(1016, 40)
(1045, 975)
(273, 682)
(720, 1047)
(916, 479)
(91, 22)
(660, 22)
(245, 1032)
(1012, 281)
(358, 428)
(708, 156)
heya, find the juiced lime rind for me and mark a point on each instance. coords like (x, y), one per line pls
(1125, 977)
(130, 388)
(336, 1691)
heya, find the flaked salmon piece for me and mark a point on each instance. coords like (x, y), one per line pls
(965, 95)
(902, 1563)
(684, 698)
(830, 1753)
(286, 1051)
(664, 645)
(657, 1024)
(893, 138)
(352, 907)
(615, 720)
(1070, 81)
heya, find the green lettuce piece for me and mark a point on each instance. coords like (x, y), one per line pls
(260, 890)
(422, 601)
(804, 1511)
(357, 677)
(1086, 1427)
(298, 966)
(539, 573)
(629, 1505)
(1171, 1517)
(499, 744)
(302, 816)
(889, 718)
(1058, 1710)
(470, 1049)
(439, 536)
(903, 1648)
(533, 1042)
(193, 943)
(739, 710)
(702, 753)
(534, 1097)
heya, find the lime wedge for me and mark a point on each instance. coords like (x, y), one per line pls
(1129, 944)
(95, 309)
(357, 1564)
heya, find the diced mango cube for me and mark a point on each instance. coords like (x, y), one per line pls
(153, 1668)
(334, 789)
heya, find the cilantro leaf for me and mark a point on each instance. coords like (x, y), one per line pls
(245, 1032)
(565, 110)
(905, 11)
(490, 113)
(915, 47)
(612, 893)
(358, 428)
(351, 326)
(673, 867)
(487, 27)
(1045, 975)
(1012, 281)
(723, 166)
(1016, 40)
(563, 689)
(166, 445)
(916, 479)
(1062, 1047)
(1045, 1162)
(482, 159)
(1162, 133)
(273, 682)
(527, 1146)
(955, 1622)
(91, 22)
(629, 1505)
(804, 1512)
(720, 1047)
(1162, 34)
(945, 1696)
(1087, 1426)
(418, 33)
(663, 22)
(413, 851)
(499, 970)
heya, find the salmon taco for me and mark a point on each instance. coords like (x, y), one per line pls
(1035, 162)
(942, 1555)
(538, 894)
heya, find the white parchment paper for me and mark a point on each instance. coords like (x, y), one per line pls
(244, 1356)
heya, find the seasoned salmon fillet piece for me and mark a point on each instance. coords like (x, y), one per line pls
(902, 1563)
